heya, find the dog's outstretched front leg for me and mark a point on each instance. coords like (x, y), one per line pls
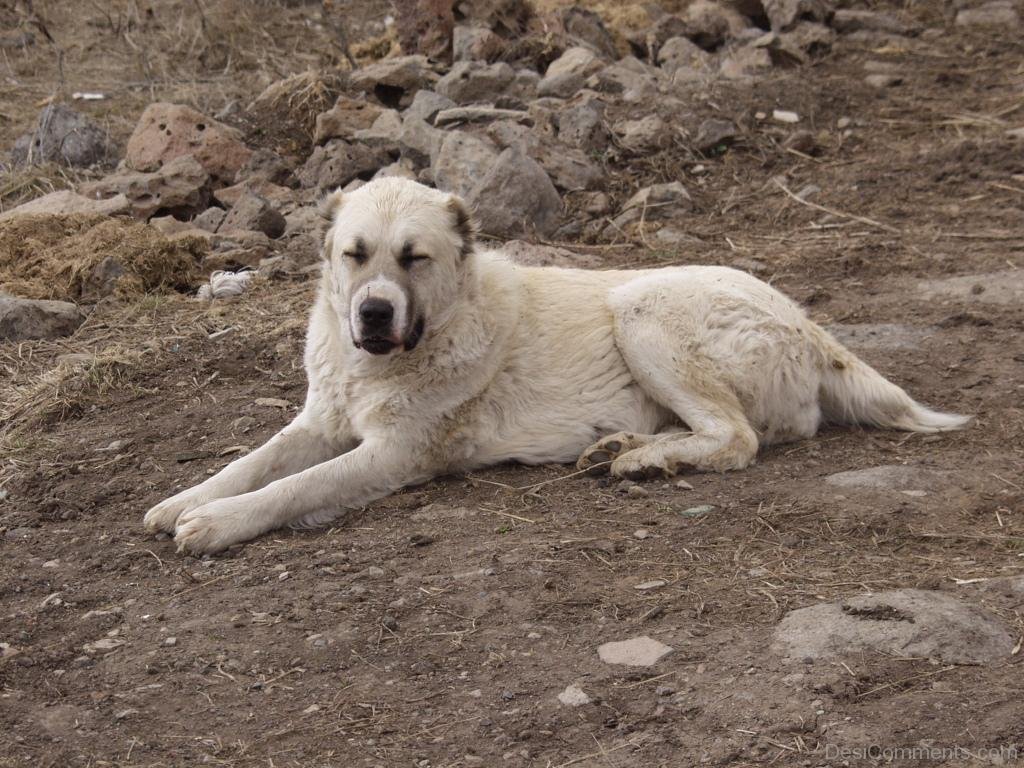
(370, 471)
(300, 445)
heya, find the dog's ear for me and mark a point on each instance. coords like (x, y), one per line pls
(330, 206)
(464, 224)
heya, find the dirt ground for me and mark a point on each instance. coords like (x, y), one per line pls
(436, 627)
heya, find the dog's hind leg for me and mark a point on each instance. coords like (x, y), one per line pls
(679, 376)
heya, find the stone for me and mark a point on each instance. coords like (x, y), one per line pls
(847, 20)
(581, 123)
(660, 201)
(636, 652)
(473, 81)
(806, 41)
(425, 27)
(473, 43)
(630, 79)
(426, 105)
(881, 80)
(570, 169)
(714, 134)
(419, 142)
(905, 623)
(891, 477)
(25, 319)
(384, 133)
(479, 114)
(395, 81)
(573, 696)
(252, 212)
(585, 27)
(166, 132)
(210, 219)
(337, 163)
(275, 193)
(462, 161)
(1004, 287)
(345, 118)
(682, 53)
(567, 74)
(647, 586)
(65, 202)
(783, 14)
(180, 188)
(710, 25)
(516, 197)
(745, 62)
(265, 165)
(648, 134)
(401, 170)
(997, 14)
(62, 136)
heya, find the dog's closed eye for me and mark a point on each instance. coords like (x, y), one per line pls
(408, 259)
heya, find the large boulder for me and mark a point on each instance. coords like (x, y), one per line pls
(65, 201)
(903, 622)
(473, 81)
(24, 319)
(180, 188)
(516, 197)
(63, 136)
(337, 163)
(345, 118)
(395, 81)
(166, 132)
(462, 161)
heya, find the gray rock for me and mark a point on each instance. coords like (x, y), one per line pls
(516, 197)
(426, 105)
(647, 134)
(24, 319)
(682, 53)
(479, 114)
(395, 81)
(581, 123)
(745, 61)
(65, 201)
(385, 131)
(265, 165)
(473, 81)
(660, 201)
(997, 14)
(891, 477)
(630, 79)
(419, 142)
(906, 622)
(637, 652)
(472, 43)
(573, 696)
(881, 80)
(570, 169)
(853, 20)
(18, 534)
(401, 169)
(338, 162)
(710, 24)
(535, 255)
(585, 27)
(181, 188)
(785, 13)
(714, 133)
(567, 74)
(462, 161)
(210, 219)
(347, 116)
(252, 212)
(64, 136)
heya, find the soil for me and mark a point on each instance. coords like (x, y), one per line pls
(438, 626)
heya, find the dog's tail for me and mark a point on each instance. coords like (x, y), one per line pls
(852, 392)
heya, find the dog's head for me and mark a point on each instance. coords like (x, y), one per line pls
(396, 257)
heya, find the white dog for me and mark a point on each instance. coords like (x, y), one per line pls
(426, 357)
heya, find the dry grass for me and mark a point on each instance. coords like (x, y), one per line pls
(19, 185)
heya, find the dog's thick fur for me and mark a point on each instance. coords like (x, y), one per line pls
(645, 372)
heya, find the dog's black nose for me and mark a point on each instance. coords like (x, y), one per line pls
(376, 313)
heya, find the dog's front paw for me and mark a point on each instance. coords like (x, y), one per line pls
(598, 458)
(164, 516)
(215, 526)
(638, 465)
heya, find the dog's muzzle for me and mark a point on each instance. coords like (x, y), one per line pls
(377, 333)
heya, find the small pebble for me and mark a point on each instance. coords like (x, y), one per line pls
(648, 585)
(283, 576)
(684, 485)
(311, 709)
(785, 116)
(698, 511)
(390, 623)
(641, 534)
(637, 491)
(170, 642)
